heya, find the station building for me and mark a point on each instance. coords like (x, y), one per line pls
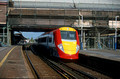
(97, 21)
(3, 20)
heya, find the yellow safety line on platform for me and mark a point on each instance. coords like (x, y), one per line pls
(1, 63)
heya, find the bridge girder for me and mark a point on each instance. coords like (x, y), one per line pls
(41, 18)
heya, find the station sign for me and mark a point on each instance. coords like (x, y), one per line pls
(113, 24)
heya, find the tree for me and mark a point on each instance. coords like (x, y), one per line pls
(31, 40)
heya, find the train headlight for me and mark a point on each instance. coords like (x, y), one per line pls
(77, 48)
(60, 46)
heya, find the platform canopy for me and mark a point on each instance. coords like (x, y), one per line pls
(3, 0)
(69, 4)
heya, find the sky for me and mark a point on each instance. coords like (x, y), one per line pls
(31, 34)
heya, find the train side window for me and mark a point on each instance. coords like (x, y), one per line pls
(50, 39)
(53, 39)
(43, 39)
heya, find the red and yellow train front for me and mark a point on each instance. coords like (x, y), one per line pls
(68, 43)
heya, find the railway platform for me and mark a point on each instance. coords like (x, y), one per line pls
(104, 54)
(103, 61)
(13, 63)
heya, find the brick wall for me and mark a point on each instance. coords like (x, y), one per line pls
(2, 14)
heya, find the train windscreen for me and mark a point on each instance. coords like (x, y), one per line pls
(69, 35)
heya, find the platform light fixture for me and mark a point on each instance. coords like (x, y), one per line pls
(116, 32)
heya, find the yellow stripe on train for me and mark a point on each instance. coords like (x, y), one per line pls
(67, 29)
(69, 47)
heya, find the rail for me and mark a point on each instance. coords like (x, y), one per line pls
(79, 72)
(30, 64)
(61, 71)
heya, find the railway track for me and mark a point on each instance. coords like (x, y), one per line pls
(58, 67)
(65, 71)
(79, 72)
(61, 71)
(30, 63)
(62, 68)
(76, 72)
(68, 71)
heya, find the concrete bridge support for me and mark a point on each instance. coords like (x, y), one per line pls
(8, 36)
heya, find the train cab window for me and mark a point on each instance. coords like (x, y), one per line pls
(70, 35)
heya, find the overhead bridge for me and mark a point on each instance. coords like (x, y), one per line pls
(45, 16)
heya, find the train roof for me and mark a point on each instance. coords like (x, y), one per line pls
(48, 34)
(62, 28)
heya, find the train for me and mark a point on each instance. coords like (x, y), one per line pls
(62, 43)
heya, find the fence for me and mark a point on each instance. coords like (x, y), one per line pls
(105, 43)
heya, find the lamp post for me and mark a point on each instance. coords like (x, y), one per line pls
(116, 32)
(81, 43)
